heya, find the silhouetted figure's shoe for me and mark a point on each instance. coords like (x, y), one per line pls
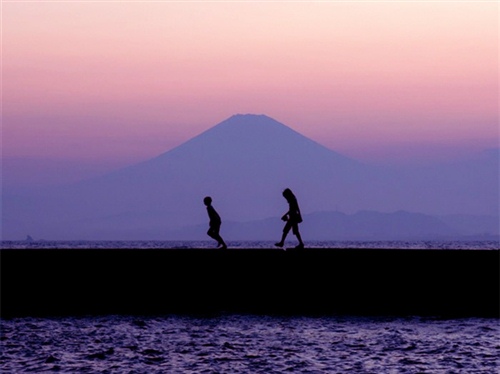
(280, 244)
(300, 246)
(223, 246)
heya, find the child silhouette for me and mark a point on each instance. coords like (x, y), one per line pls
(214, 224)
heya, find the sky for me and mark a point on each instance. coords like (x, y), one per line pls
(90, 86)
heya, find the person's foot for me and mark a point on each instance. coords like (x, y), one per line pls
(300, 246)
(223, 246)
(280, 244)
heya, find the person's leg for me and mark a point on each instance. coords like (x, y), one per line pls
(216, 236)
(222, 244)
(220, 241)
(301, 243)
(286, 229)
(209, 233)
(297, 234)
(213, 234)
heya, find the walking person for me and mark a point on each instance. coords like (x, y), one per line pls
(292, 219)
(214, 224)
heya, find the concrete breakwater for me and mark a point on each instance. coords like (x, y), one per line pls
(59, 282)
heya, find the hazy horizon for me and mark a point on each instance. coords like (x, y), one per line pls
(90, 87)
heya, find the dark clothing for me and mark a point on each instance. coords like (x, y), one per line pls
(294, 211)
(213, 232)
(215, 220)
(214, 226)
(293, 217)
(291, 225)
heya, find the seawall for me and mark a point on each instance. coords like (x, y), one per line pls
(64, 282)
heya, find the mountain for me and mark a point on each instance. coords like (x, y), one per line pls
(244, 163)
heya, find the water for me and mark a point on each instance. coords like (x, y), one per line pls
(249, 344)
(230, 343)
(83, 244)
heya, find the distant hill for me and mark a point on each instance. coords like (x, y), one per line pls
(363, 225)
(244, 163)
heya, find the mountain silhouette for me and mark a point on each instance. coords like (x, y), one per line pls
(243, 163)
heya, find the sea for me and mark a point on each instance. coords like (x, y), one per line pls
(249, 343)
(168, 244)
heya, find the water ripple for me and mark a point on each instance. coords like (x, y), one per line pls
(249, 344)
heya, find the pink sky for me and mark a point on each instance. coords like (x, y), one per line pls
(113, 83)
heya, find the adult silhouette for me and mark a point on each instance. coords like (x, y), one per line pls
(292, 219)
(214, 223)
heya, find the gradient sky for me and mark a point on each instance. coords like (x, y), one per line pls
(89, 86)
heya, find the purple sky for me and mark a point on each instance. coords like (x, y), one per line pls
(91, 86)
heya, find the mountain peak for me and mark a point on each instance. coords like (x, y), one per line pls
(256, 137)
(251, 120)
(248, 116)
(249, 134)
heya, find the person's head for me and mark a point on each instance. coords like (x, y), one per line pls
(288, 194)
(207, 200)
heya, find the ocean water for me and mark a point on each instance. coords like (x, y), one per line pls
(249, 344)
(138, 244)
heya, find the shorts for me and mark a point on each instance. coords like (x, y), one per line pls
(291, 225)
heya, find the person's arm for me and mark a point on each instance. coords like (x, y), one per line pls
(299, 214)
(214, 216)
(287, 214)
